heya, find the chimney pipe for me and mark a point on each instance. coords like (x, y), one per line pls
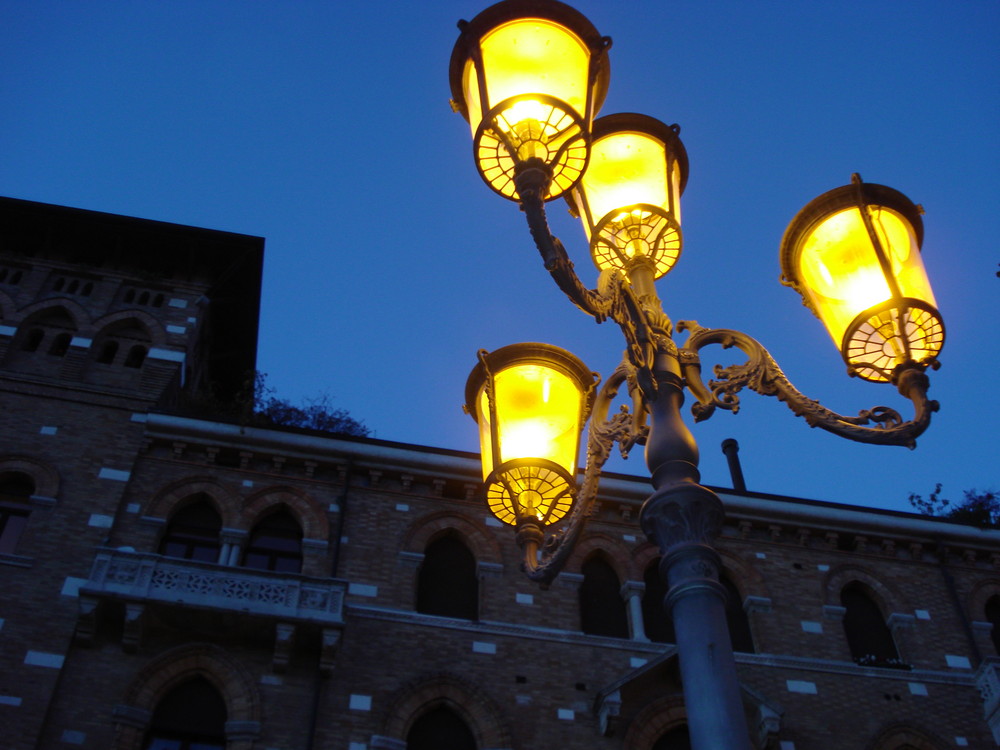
(731, 448)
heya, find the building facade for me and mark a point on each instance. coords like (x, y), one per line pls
(171, 579)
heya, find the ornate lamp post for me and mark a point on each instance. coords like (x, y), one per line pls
(529, 76)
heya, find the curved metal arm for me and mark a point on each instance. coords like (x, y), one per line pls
(646, 328)
(532, 184)
(625, 428)
(880, 425)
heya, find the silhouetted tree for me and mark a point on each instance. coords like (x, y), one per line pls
(317, 413)
(976, 509)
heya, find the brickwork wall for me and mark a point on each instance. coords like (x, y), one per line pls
(87, 671)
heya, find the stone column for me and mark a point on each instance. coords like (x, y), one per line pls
(632, 594)
(232, 546)
(682, 518)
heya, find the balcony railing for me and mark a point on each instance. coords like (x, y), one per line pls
(144, 577)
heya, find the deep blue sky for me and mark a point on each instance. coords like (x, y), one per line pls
(325, 127)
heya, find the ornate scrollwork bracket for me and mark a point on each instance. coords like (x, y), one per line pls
(545, 556)
(880, 425)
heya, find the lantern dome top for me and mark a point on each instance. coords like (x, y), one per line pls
(525, 353)
(511, 10)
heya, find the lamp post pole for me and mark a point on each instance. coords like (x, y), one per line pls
(682, 518)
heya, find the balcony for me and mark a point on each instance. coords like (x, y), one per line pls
(142, 579)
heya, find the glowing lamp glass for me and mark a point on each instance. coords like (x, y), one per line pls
(629, 197)
(528, 77)
(530, 401)
(872, 295)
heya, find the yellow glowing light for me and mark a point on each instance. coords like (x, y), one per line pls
(538, 412)
(524, 57)
(625, 169)
(842, 272)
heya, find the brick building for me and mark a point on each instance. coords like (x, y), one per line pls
(172, 580)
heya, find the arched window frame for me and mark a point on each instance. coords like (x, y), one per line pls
(448, 579)
(195, 539)
(167, 732)
(602, 609)
(275, 542)
(16, 490)
(440, 727)
(868, 635)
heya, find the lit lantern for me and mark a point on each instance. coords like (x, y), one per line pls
(529, 76)
(629, 197)
(854, 256)
(531, 401)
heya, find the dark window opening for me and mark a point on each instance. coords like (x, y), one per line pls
(657, 622)
(144, 298)
(3, 275)
(59, 285)
(73, 287)
(447, 583)
(677, 738)
(108, 352)
(736, 619)
(33, 340)
(275, 544)
(192, 716)
(15, 490)
(136, 356)
(193, 533)
(602, 609)
(868, 636)
(993, 616)
(158, 301)
(438, 729)
(60, 344)
(16, 278)
(129, 296)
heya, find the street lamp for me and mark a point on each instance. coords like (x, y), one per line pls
(853, 254)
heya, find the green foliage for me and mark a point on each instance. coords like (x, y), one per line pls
(317, 413)
(976, 509)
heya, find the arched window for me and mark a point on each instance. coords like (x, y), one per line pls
(868, 636)
(447, 583)
(677, 738)
(602, 609)
(736, 619)
(192, 716)
(993, 616)
(657, 622)
(438, 729)
(275, 544)
(193, 533)
(15, 490)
